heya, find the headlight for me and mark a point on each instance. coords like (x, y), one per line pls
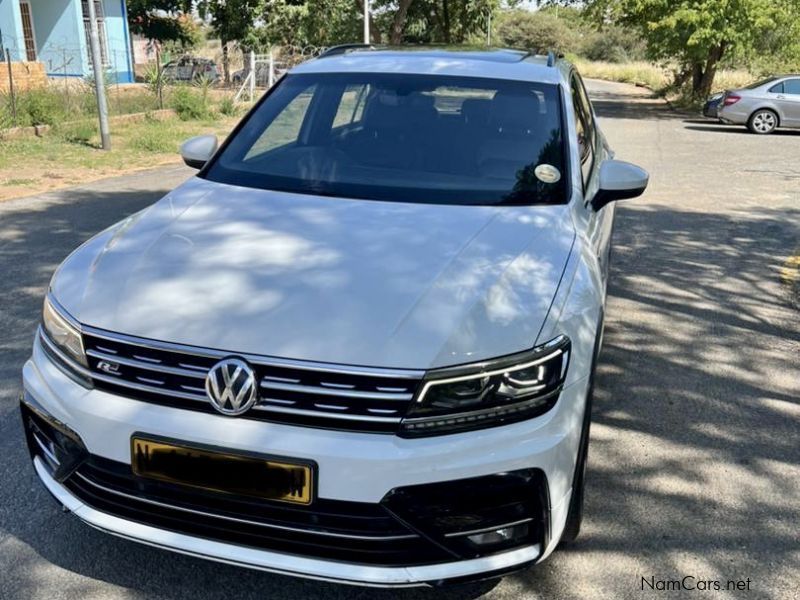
(62, 331)
(508, 389)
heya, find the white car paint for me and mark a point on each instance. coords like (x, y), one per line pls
(354, 282)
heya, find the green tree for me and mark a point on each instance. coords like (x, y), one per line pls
(163, 20)
(232, 21)
(699, 34)
(447, 21)
(538, 32)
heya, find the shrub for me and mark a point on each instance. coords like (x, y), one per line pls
(227, 106)
(536, 31)
(189, 104)
(40, 107)
(613, 44)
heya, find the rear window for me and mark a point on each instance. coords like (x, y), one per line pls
(403, 138)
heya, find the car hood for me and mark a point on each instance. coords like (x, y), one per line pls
(323, 279)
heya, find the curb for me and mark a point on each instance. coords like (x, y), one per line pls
(39, 130)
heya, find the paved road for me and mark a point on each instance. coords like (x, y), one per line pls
(694, 463)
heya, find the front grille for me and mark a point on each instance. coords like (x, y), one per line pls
(309, 394)
(353, 532)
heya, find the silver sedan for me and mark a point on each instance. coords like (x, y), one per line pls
(763, 106)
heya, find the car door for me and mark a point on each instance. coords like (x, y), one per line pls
(592, 151)
(789, 100)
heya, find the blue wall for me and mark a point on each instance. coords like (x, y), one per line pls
(11, 24)
(58, 26)
(119, 48)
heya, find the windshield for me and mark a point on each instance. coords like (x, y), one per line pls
(402, 138)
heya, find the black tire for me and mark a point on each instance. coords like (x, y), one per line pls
(575, 515)
(763, 122)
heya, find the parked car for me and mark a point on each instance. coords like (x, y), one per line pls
(763, 106)
(189, 69)
(360, 344)
(711, 107)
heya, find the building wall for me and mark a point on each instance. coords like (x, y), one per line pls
(58, 25)
(11, 25)
(61, 40)
(119, 48)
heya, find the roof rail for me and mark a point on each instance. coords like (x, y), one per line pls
(551, 59)
(345, 48)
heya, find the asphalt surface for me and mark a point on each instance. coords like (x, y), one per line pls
(694, 460)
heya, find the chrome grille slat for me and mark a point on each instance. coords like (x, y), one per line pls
(341, 386)
(146, 366)
(310, 389)
(147, 359)
(311, 413)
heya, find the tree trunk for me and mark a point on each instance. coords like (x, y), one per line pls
(446, 21)
(399, 22)
(702, 87)
(226, 71)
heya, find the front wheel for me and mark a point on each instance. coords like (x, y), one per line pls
(762, 122)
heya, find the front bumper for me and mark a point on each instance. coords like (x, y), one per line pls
(358, 468)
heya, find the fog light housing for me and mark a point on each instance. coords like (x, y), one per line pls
(478, 516)
(505, 536)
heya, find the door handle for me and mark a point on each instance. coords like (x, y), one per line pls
(781, 97)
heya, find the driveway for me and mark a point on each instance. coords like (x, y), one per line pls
(694, 463)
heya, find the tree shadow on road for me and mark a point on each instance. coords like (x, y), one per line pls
(712, 127)
(694, 456)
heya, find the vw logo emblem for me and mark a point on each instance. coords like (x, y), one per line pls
(231, 386)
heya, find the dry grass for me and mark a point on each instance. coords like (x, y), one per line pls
(639, 72)
(656, 77)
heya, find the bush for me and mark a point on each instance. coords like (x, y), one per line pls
(40, 107)
(613, 44)
(536, 31)
(227, 106)
(189, 104)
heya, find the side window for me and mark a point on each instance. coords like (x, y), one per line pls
(585, 129)
(285, 129)
(351, 106)
(777, 89)
(792, 86)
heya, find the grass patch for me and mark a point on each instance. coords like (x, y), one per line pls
(156, 136)
(70, 153)
(10, 182)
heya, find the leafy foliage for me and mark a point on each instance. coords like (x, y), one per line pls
(537, 31)
(163, 20)
(699, 34)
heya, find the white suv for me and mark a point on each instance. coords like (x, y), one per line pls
(359, 345)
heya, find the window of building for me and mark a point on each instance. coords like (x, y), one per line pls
(101, 29)
(27, 31)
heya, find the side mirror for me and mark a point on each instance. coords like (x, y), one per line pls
(197, 150)
(619, 180)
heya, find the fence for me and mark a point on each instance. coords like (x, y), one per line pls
(263, 70)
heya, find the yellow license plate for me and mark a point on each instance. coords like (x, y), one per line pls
(219, 471)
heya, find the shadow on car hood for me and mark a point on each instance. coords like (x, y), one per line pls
(323, 279)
